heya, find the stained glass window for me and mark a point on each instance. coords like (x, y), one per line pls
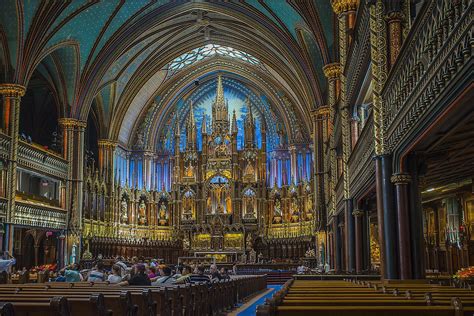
(209, 50)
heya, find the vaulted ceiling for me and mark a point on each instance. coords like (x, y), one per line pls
(113, 56)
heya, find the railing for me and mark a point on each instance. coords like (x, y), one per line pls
(39, 216)
(361, 166)
(35, 158)
(437, 50)
(42, 160)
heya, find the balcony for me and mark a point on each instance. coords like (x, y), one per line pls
(36, 158)
(31, 214)
(361, 166)
(434, 59)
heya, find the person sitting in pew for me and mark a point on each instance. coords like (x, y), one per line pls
(72, 274)
(138, 277)
(97, 273)
(184, 277)
(6, 262)
(166, 277)
(214, 273)
(61, 277)
(116, 276)
(199, 277)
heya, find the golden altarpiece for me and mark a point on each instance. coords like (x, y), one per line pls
(218, 202)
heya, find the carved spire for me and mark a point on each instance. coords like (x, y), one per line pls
(220, 91)
(204, 125)
(220, 109)
(191, 129)
(249, 126)
(234, 124)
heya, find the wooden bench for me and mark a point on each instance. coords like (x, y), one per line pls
(367, 298)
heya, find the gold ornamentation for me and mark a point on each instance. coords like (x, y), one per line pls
(71, 122)
(357, 213)
(332, 71)
(323, 110)
(12, 90)
(401, 178)
(107, 143)
(378, 44)
(342, 6)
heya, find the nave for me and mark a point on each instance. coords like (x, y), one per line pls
(216, 150)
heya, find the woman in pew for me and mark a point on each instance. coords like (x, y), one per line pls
(138, 277)
(116, 276)
(97, 273)
(184, 278)
(72, 274)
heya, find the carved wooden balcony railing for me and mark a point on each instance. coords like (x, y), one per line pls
(3, 209)
(361, 165)
(434, 58)
(35, 158)
(29, 214)
(339, 194)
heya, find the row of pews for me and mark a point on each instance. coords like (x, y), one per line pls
(357, 298)
(103, 299)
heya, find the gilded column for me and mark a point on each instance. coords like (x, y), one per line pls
(332, 72)
(386, 216)
(394, 18)
(12, 94)
(320, 164)
(345, 10)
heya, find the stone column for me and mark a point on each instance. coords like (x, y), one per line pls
(359, 245)
(73, 152)
(320, 171)
(401, 181)
(11, 94)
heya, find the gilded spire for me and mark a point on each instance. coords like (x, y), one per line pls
(191, 128)
(220, 92)
(249, 126)
(234, 123)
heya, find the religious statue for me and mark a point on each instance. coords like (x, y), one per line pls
(243, 258)
(253, 256)
(228, 204)
(295, 214)
(277, 217)
(142, 213)
(189, 170)
(123, 212)
(249, 242)
(73, 254)
(163, 215)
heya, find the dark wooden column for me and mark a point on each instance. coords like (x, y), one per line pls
(359, 243)
(401, 181)
(386, 217)
(350, 236)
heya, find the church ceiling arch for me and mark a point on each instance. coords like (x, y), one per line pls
(152, 118)
(106, 30)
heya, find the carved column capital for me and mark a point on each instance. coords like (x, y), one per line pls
(66, 122)
(400, 178)
(357, 213)
(107, 143)
(342, 6)
(12, 90)
(332, 71)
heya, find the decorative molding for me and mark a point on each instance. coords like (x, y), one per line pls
(12, 90)
(342, 6)
(400, 178)
(332, 71)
